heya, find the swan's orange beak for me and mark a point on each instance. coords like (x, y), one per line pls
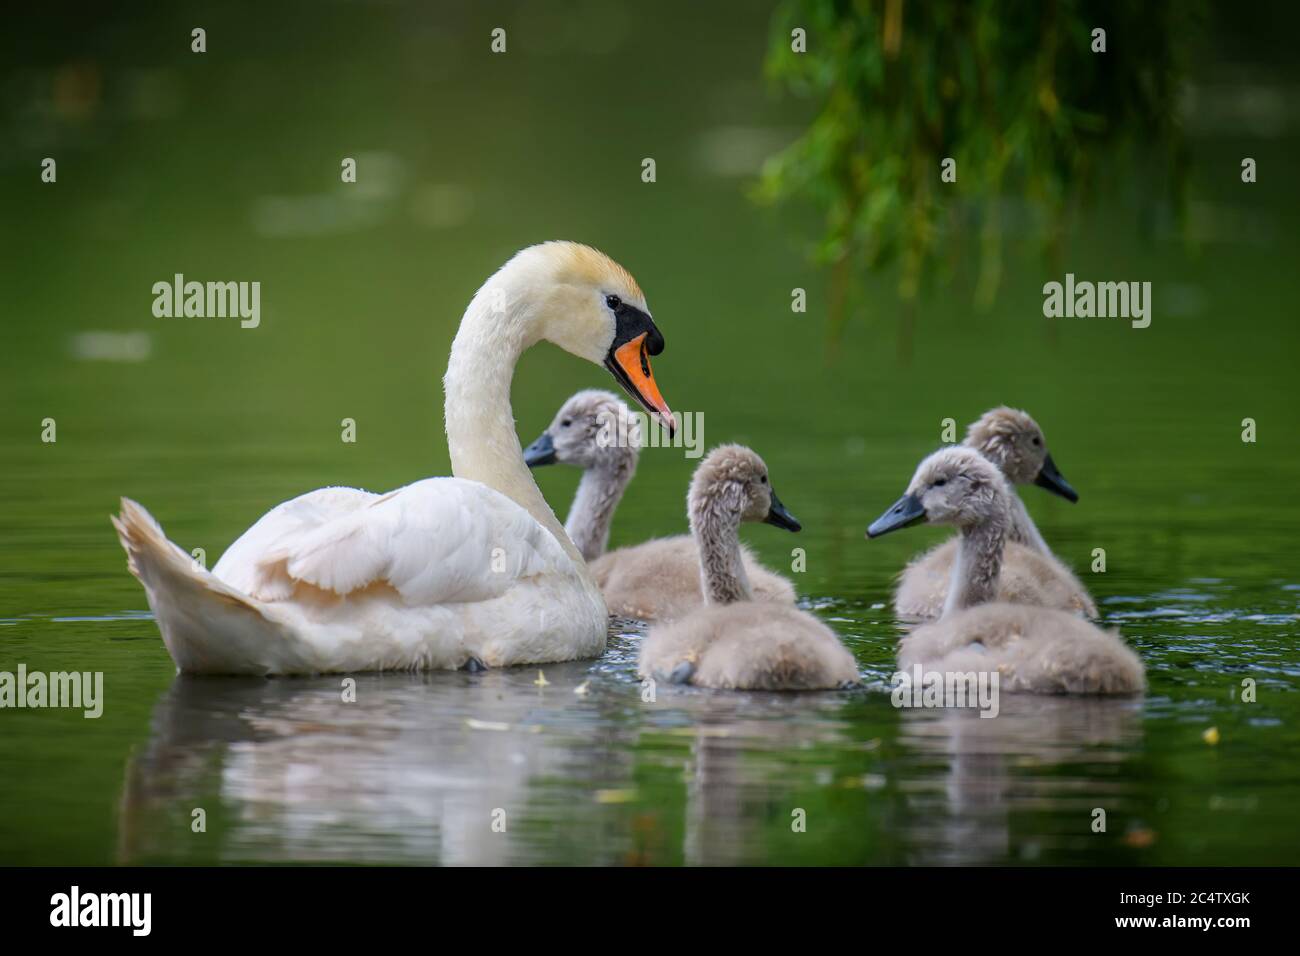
(630, 364)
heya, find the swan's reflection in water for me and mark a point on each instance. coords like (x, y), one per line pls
(420, 767)
(417, 769)
(1018, 787)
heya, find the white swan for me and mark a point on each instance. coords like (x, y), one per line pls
(656, 580)
(1033, 649)
(442, 573)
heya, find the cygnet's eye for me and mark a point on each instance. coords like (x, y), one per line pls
(613, 302)
(566, 423)
(762, 479)
(941, 482)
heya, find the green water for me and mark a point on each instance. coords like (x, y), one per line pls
(172, 163)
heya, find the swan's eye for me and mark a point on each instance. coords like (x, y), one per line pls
(941, 482)
(762, 479)
(566, 423)
(613, 302)
(1038, 441)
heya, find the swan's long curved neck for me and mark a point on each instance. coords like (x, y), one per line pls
(480, 423)
(722, 572)
(592, 513)
(979, 562)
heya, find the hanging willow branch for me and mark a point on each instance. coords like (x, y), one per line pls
(1012, 90)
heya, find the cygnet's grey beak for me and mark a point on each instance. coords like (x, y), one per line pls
(778, 515)
(907, 510)
(1054, 481)
(540, 452)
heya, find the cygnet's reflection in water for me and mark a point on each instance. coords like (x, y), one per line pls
(739, 777)
(1050, 758)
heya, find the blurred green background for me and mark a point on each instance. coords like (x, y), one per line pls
(225, 166)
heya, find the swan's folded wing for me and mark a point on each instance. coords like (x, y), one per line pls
(242, 564)
(438, 541)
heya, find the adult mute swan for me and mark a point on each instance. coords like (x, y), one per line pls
(1031, 573)
(1034, 649)
(443, 573)
(733, 642)
(653, 581)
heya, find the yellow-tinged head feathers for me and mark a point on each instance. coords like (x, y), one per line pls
(563, 264)
(584, 265)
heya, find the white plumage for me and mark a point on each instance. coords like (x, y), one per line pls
(437, 541)
(341, 580)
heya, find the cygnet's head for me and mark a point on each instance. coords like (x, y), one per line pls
(1012, 440)
(594, 429)
(955, 485)
(732, 483)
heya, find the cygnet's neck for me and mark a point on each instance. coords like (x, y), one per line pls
(717, 536)
(599, 492)
(1022, 529)
(978, 566)
(480, 424)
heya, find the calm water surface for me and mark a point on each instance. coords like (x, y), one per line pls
(587, 772)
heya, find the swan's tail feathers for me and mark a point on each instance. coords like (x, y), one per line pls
(208, 626)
